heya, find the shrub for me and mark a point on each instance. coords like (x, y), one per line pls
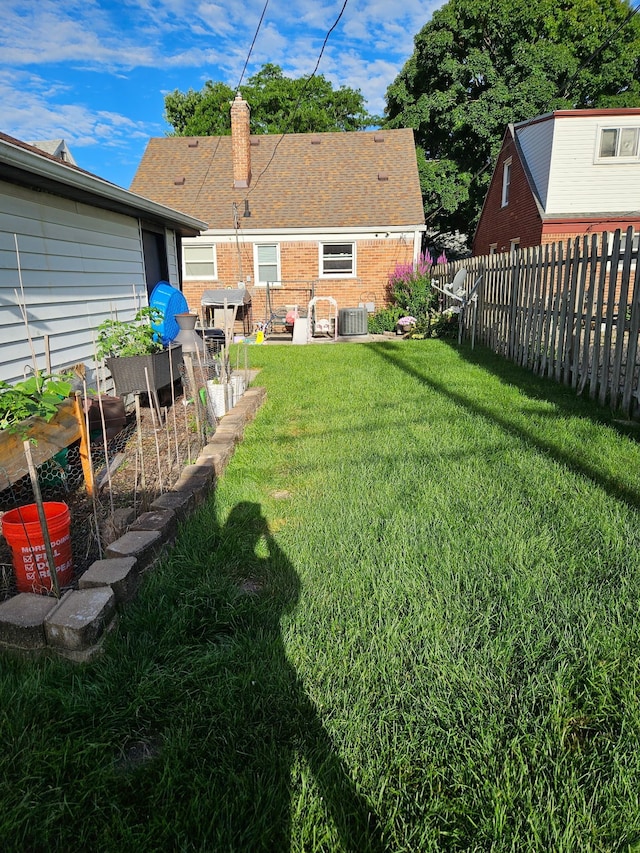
(385, 320)
(410, 288)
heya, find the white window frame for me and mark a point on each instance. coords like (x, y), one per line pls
(277, 282)
(514, 245)
(199, 243)
(493, 249)
(332, 273)
(616, 157)
(506, 181)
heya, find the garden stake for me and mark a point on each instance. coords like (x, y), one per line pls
(94, 498)
(185, 403)
(140, 453)
(43, 520)
(22, 305)
(173, 410)
(155, 429)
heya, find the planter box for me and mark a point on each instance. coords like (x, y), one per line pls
(129, 372)
(47, 438)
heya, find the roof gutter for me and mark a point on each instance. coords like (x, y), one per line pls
(27, 168)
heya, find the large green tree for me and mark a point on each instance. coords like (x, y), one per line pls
(480, 64)
(278, 104)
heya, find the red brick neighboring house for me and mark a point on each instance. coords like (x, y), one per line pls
(562, 174)
(334, 210)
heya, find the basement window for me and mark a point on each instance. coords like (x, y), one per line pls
(337, 259)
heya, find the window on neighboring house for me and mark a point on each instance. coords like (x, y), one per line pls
(267, 263)
(616, 142)
(635, 244)
(199, 260)
(337, 259)
(514, 246)
(493, 248)
(506, 181)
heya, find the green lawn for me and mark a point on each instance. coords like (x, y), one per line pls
(407, 620)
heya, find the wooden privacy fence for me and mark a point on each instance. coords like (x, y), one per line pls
(570, 311)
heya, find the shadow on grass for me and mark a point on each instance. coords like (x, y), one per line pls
(565, 402)
(274, 725)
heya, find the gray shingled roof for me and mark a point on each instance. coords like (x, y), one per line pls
(324, 180)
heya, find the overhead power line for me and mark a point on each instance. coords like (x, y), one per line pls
(300, 96)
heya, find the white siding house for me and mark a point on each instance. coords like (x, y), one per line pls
(74, 249)
(572, 172)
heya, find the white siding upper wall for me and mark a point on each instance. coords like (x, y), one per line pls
(536, 142)
(78, 265)
(580, 185)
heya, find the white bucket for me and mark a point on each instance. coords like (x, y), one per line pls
(238, 386)
(217, 394)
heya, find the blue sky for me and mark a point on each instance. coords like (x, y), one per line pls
(95, 72)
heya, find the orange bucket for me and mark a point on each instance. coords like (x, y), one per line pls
(21, 528)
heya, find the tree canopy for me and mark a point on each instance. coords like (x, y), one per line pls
(479, 65)
(278, 104)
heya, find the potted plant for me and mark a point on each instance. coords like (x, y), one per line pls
(405, 324)
(134, 354)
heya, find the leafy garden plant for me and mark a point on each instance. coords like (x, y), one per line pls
(121, 338)
(38, 396)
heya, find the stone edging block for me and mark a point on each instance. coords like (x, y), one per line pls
(80, 619)
(119, 574)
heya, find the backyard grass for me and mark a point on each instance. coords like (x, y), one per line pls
(407, 620)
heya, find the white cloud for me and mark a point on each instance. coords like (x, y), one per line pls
(30, 114)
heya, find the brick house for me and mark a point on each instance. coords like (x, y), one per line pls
(560, 175)
(327, 214)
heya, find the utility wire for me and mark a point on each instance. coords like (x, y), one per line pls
(300, 96)
(252, 45)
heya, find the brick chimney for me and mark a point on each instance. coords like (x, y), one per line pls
(240, 143)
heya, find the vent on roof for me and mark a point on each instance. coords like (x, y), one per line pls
(315, 140)
(193, 143)
(378, 137)
(254, 142)
(179, 182)
(383, 176)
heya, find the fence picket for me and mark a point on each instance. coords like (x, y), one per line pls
(581, 267)
(634, 331)
(596, 370)
(621, 320)
(588, 313)
(608, 331)
(562, 320)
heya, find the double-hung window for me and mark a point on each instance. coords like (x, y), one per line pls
(266, 259)
(506, 182)
(199, 260)
(337, 259)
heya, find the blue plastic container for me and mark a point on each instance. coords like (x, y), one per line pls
(169, 301)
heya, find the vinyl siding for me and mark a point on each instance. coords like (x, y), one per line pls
(536, 142)
(78, 265)
(579, 185)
